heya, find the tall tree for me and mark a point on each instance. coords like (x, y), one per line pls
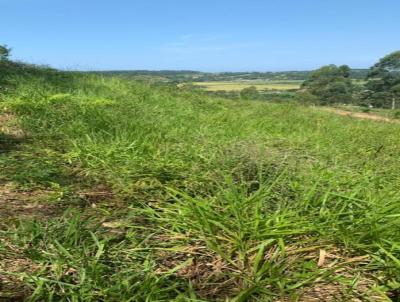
(331, 84)
(4, 52)
(384, 81)
(390, 62)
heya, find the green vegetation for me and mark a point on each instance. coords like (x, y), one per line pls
(333, 85)
(4, 52)
(383, 86)
(197, 76)
(149, 192)
(249, 93)
(330, 84)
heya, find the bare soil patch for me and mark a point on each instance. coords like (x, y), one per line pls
(19, 205)
(25, 204)
(13, 262)
(361, 115)
(9, 127)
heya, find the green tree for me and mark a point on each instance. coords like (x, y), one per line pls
(4, 52)
(384, 81)
(331, 84)
(345, 70)
(390, 62)
(249, 93)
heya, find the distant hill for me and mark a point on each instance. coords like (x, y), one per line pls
(197, 76)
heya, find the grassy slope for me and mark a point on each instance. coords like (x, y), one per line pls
(190, 198)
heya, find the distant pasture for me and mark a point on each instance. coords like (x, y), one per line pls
(239, 85)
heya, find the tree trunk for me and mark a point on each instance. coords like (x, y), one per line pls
(393, 103)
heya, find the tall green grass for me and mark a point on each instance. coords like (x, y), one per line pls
(212, 199)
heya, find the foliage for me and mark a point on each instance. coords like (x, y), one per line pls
(389, 62)
(331, 84)
(249, 93)
(383, 86)
(4, 52)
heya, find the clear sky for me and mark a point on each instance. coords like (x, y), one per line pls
(206, 35)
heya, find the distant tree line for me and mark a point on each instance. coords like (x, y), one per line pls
(378, 86)
(182, 76)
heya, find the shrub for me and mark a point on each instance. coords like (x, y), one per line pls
(249, 93)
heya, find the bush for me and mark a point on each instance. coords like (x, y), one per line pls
(331, 84)
(249, 93)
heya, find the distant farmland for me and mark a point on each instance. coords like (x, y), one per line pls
(260, 85)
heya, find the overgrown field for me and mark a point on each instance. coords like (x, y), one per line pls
(124, 191)
(239, 85)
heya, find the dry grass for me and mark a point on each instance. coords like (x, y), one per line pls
(13, 263)
(8, 126)
(238, 86)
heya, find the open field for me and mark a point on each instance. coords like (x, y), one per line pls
(239, 85)
(114, 190)
(235, 86)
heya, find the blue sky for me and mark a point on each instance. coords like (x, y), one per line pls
(218, 35)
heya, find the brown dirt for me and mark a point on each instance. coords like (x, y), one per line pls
(12, 263)
(8, 126)
(16, 204)
(356, 283)
(19, 205)
(360, 115)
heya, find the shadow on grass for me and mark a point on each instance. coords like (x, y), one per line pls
(29, 164)
(9, 142)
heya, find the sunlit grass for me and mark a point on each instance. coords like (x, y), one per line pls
(207, 199)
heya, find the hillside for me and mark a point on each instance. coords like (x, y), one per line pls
(118, 190)
(197, 76)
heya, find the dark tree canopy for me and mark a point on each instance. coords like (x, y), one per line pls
(331, 84)
(390, 62)
(4, 52)
(384, 81)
